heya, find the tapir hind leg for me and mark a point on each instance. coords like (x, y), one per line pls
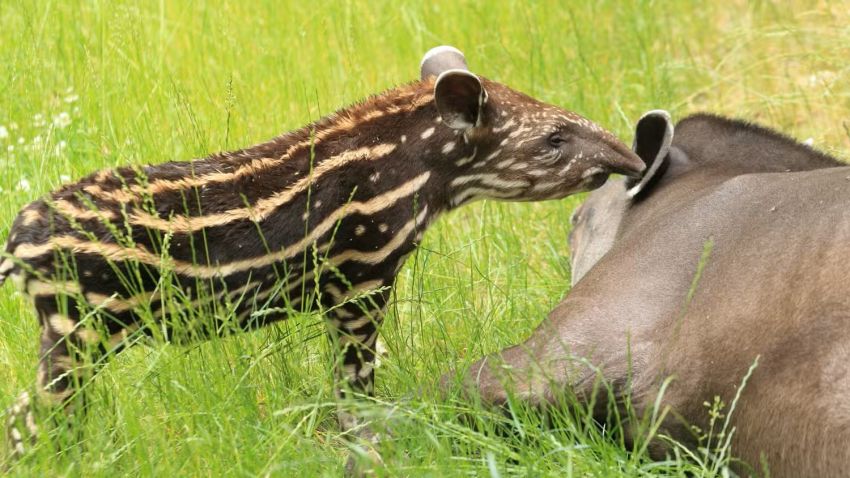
(69, 356)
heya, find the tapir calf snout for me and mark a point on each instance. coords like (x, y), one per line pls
(621, 160)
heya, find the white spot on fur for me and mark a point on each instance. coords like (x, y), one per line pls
(61, 324)
(591, 171)
(18, 280)
(474, 193)
(317, 204)
(567, 168)
(468, 159)
(545, 186)
(427, 133)
(360, 230)
(383, 227)
(404, 138)
(504, 127)
(490, 180)
(365, 370)
(374, 176)
(448, 147)
(31, 426)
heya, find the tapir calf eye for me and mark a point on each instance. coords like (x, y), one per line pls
(556, 140)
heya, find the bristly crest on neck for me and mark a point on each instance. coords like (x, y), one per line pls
(402, 99)
(738, 145)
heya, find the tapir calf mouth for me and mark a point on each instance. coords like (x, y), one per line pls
(596, 180)
(596, 176)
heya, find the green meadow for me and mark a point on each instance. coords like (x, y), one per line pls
(86, 85)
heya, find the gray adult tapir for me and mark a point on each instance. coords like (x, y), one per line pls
(730, 256)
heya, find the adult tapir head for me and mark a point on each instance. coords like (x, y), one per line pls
(515, 147)
(595, 223)
(708, 149)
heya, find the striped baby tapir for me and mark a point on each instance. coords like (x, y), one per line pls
(318, 219)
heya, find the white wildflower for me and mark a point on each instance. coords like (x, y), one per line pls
(23, 185)
(62, 120)
(38, 120)
(809, 141)
(10, 148)
(21, 140)
(72, 98)
(65, 178)
(4, 133)
(13, 126)
(36, 140)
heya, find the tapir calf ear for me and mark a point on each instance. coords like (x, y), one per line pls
(440, 59)
(653, 137)
(459, 96)
(458, 93)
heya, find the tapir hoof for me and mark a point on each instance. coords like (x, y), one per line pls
(362, 465)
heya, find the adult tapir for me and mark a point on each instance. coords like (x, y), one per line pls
(732, 250)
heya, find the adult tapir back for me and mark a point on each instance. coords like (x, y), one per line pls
(732, 251)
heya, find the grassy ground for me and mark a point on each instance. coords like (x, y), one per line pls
(89, 84)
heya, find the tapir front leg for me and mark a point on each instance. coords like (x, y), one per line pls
(353, 324)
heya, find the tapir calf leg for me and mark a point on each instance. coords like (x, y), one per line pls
(68, 356)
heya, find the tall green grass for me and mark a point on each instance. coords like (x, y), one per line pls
(90, 84)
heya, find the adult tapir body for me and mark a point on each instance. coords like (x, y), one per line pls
(733, 250)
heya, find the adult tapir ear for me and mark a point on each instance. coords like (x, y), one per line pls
(458, 93)
(653, 137)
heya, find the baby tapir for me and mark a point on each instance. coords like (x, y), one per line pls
(319, 219)
(757, 228)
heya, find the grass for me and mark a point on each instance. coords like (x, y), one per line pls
(90, 84)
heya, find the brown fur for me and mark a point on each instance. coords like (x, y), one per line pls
(775, 289)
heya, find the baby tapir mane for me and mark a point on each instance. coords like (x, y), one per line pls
(744, 147)
(405, 98)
